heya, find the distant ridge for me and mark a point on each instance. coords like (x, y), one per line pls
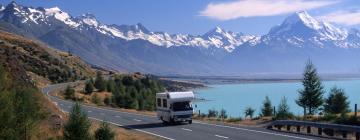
(218, 52)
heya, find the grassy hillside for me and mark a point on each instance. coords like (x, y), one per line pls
(21, 55)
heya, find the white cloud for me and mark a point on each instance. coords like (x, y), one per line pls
(250, 8)
(343, 17)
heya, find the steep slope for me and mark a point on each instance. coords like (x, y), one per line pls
(21, 56)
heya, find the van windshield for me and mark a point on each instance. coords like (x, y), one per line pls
(181, 106)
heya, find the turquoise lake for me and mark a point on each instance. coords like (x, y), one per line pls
(234, 98)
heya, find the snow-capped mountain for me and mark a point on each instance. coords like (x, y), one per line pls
(215, 38)
(216, 52)
(301, 30)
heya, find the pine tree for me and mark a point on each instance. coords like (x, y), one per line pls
(89, 87)
(28, 111)
(104, 132)
(283, 110)
(337, 102)
(100, 83)
(267, 109)
(110, 85)
(77, 128)
(311, 96)
(249, 112)
(69, 93)
(223, 114)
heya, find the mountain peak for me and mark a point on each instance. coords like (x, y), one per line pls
(89, 19)
(13, 6)
(13, 3)
(303, 17)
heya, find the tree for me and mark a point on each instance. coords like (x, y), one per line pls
(69, 93)
(110, 85)
(77, 128)
(249, 112)
(104, 132)
(89, 87)
(223, 114)
(311, 96)
(267, 109)
(20, 113)
(212, 113)
(100, 83)
(95, 99)
(337, 102)
(283, 110)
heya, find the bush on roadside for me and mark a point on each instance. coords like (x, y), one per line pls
(212, 113)
(104, 132)
(231, 119)
(69, 93)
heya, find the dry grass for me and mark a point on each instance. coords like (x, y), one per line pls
(123, 134)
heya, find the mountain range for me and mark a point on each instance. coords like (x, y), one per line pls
(284, 49)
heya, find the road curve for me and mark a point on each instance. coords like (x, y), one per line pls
(151, 125)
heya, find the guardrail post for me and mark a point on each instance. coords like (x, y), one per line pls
(357, 135)
(298, 128)
(288, 127)
(344, 134)
(319, 131)
(309, 129)
(274, 111)
(279, 127)
(356, 110)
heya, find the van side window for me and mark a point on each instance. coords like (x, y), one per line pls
(158, 100)
(164, 103)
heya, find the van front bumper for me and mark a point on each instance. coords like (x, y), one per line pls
(182, 117)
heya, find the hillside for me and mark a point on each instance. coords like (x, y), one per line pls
(30, 60)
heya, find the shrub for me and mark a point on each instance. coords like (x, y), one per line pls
(104, 132)
(212, 113)
(284, 110)
(223, 114)
(69, 93)
(89, 87)
(249, 112)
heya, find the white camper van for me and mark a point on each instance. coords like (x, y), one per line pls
(174, 106)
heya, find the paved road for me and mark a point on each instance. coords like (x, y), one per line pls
(196, 131)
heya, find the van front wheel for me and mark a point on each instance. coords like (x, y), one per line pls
(190, 121)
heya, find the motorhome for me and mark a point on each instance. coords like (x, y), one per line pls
(174, 106)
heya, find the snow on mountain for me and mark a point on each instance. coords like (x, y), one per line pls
(62, 16)
(217, 37)
(300, 30)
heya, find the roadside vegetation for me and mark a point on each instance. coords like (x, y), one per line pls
(335, 108)
(128, 91)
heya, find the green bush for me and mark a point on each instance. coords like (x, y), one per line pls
(69, 93)
(104, 132)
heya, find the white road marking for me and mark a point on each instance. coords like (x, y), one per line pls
(89, 111)
(102, 114)
(186, 129)
(147, 132)
(221, 136)
(117, 116)
(137, 120)
(256, 131)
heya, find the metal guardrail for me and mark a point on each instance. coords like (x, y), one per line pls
(331, 129)
(350, 128)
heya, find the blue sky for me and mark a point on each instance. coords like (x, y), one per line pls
(198, 16)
